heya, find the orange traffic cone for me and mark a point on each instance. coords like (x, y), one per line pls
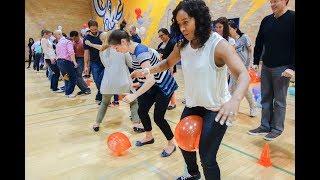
(265, 156)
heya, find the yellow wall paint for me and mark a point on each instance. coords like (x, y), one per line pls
(256, 5)
(232, 3)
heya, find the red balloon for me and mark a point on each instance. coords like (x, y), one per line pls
(137, 11)
(254, 78)
(188, 132)
(118, 143)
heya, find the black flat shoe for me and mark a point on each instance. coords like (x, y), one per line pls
(138, 130)
(171, 107)
(165, 154)
(96, 129)
(139, 143)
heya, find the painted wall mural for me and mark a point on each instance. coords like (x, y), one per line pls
(150, 15)
(110, 14)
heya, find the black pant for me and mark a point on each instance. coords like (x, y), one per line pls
(37, 58)
(55, 77)
(145, 101)
(30, 59)
(210, 140)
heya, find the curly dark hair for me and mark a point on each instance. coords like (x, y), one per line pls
(200, 12)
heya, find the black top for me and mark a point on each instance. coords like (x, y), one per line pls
(276, 37)
(29, 45)
(167, 50)
(94, 53)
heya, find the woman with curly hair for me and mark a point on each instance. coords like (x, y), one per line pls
(204, 56)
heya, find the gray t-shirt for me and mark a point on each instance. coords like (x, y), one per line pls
(116, 78)
(242, 45)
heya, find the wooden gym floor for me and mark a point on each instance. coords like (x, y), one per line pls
(60, 143)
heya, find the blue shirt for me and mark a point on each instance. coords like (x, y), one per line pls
(94, 53)
(164, 80)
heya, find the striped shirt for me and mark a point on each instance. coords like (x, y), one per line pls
(164, 80)
(64, 49)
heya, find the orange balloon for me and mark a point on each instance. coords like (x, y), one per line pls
(254, 78)
(118, 143)
(188, 132)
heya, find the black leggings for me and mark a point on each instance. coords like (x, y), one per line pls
(30, 59)
(210, 140)
(145, 101)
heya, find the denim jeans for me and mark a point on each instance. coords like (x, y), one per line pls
(97, 69)
(67, 67)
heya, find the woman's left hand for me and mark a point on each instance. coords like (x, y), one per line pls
(227, 112)
(129, 98)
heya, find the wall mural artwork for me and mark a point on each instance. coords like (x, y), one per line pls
(110, 14)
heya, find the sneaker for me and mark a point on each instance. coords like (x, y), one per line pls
(258, 131)
(271, 136)
(58, 91)
(170, 107)
(84, 92)
(253, 112)
(71, 96)
(189, 177)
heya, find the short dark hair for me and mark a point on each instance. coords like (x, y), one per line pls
(92, 23)
(164, 31)
(74, 33)
(123, 24)
(116, 36)
(64, 34)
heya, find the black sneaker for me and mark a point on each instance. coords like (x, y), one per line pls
(271, 136)
(80, 93)
(189, 177)
(258, 131)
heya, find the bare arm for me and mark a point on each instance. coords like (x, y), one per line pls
(171, 60)
(250, 56)
(86, 61)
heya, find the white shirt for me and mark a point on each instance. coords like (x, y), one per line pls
(205, 84)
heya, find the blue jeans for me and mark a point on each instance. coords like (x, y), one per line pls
(97, 72)
(210, 140)
(80, 82)
(274, 88)
(67, 67)
(55, 76)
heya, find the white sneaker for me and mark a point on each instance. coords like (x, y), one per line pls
(71, 96)
(58, 91)
(253, 112)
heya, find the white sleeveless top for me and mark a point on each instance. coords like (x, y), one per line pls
(206, 84)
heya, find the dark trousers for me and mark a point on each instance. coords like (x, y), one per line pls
(36, 62)
(67, 67)
(210, 140)
(97, 72)
(55, 77)
(274, 89)
(80, 81)
(145, 101)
